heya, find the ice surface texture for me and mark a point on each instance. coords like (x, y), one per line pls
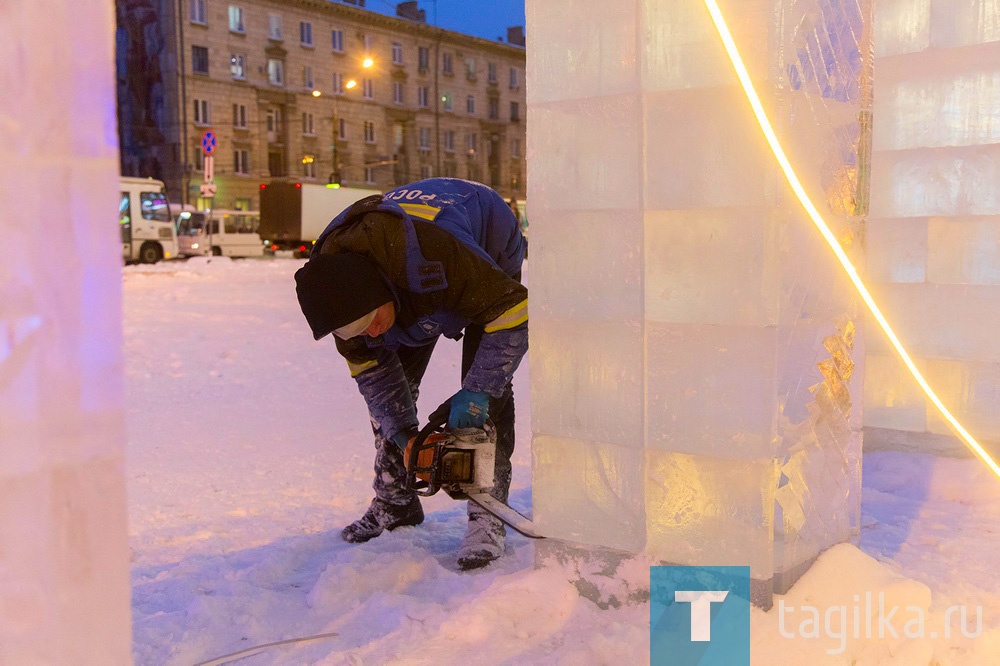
(63, 549)
(934, 233)
(694, 343)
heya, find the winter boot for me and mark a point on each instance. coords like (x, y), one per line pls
(394, 506)
(484, 540)
(382, 516)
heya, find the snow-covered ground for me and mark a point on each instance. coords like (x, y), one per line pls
(249, 448)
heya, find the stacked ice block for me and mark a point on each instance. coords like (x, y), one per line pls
(64, 589)
(935, 228)
(692, 338)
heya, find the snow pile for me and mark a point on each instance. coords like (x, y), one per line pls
(250, 448)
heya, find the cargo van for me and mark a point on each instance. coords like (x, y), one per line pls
(219, 233)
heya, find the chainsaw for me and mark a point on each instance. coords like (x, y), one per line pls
(461, 462)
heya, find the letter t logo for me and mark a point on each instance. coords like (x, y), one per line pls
(701, 610)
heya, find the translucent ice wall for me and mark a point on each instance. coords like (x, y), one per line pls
(64, 596)
(934, 234)
(693, 341)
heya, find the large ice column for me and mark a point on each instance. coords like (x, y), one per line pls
(693, 339)
(934, 236)
(64, 592)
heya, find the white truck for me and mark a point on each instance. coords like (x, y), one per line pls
(292, 214)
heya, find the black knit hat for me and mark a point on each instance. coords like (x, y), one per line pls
(337, 289)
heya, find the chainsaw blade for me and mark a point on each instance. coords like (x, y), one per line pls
(508, 515)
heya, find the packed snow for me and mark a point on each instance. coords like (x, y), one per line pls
(249, 449)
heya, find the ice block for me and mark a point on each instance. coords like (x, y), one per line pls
(63, 541)
(933, 258)
(693, 339)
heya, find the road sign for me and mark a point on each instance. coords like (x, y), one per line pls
(209, 142)
(208, 190)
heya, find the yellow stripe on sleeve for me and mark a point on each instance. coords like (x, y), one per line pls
(512, 318)
(358, 368)
(423, 211)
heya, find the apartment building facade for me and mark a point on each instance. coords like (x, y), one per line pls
(314, 91)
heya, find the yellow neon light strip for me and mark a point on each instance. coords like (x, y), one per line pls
(793, 180)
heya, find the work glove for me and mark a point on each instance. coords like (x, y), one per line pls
(469, 409)
(402, 438)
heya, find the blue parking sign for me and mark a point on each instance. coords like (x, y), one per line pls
(208, 142)
(699, 616)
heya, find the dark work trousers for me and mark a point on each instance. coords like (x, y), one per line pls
(390, 470)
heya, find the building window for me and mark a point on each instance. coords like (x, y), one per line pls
(369, 175)
(198, 11)
(514, 78)
(368, 89)
(337, 84)
(494, 109)
(276, 72)
(471, 141)
(470, 104)
(238, 66)
(514, 112)
(369, 132)
(307, 124)
(240, 116)
(337, 40)
(199, 156)
(306, 33)
(446, 101)
(342, 129)
(274, 120)
(449, 141)
(241, 162)
(308, 166)
(492, 72)
(201, 112)
(274, 27)
(472, 171)
(446, 64)
(199, 59)
(236, 19)
(397, 53)
(425, 171)
(515, 147)
(366, 41)
(470, 68)
(423, 58)
(425, 138)
(449, 170)
(397, 92)
(423, 93)
(307, 78)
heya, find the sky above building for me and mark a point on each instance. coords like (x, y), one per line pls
(488, 19)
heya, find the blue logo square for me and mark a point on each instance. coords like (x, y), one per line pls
(699, 616)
